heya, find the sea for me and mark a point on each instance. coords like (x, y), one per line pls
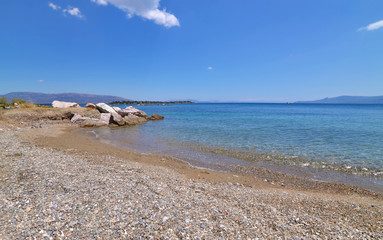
(324, 142)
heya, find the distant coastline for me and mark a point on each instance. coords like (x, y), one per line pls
(347, 100)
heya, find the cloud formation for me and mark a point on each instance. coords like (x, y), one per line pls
(372, 26)
(73, 11)
(69, 10)
(148, 9)
(209, 68)
(40, 81)
(53, 6)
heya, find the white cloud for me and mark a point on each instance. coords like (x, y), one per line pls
(40, 81)
(148, 9)
(53, 6)
(372, 26)
(101, 2)
(209, 68)
(69, 10)
(73, 11)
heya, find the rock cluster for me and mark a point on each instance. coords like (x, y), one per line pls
(109, 115)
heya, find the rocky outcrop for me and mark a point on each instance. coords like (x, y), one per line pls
(59, 104)
(109, 116)
(156, 117)
(90, 105)
(105, 108)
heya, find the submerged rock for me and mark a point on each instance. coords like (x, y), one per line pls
(59, 104)
(105, 108)
(156, 117)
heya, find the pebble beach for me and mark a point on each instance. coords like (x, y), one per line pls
(51, 189)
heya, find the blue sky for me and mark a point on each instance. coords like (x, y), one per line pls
(245, 50)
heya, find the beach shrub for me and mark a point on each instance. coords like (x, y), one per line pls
(3, 100)
(27, 105)
(18, 101)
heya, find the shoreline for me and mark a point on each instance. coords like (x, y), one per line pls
(69, 137)
(56, 182)
(234, 163)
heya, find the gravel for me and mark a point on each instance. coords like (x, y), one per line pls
(49, 193)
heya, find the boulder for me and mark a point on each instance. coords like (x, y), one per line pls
(90, 105)
(75, 118)
(156, 117)
(59, 104)
(106, 118)
(105, 108)
(133, 120)
(133, 111)
(117, 109)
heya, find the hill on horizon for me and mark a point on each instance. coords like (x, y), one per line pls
(348, 100)
(48, 98)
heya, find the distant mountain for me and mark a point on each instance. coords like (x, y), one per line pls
(348, 100)
(48, 98)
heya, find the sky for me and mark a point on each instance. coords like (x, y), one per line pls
(215, 50)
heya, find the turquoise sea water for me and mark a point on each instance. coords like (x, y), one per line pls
(350, 136)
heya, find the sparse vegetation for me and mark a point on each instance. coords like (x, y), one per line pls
(3, 100)
(27, 105)
(15, 103)
(18, 101)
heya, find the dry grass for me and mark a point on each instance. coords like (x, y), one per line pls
(27, 105)
(31, 114)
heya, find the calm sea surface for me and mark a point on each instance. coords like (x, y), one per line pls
(344, 136)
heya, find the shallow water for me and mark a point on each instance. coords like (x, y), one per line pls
(347, 138)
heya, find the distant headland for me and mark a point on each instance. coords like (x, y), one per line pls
(348, 100)
(151, 102)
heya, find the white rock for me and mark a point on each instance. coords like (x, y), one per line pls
(117, 109)
(134, 111)
(105, 118)
(77, 118)
(59, 104)
(105, 108)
